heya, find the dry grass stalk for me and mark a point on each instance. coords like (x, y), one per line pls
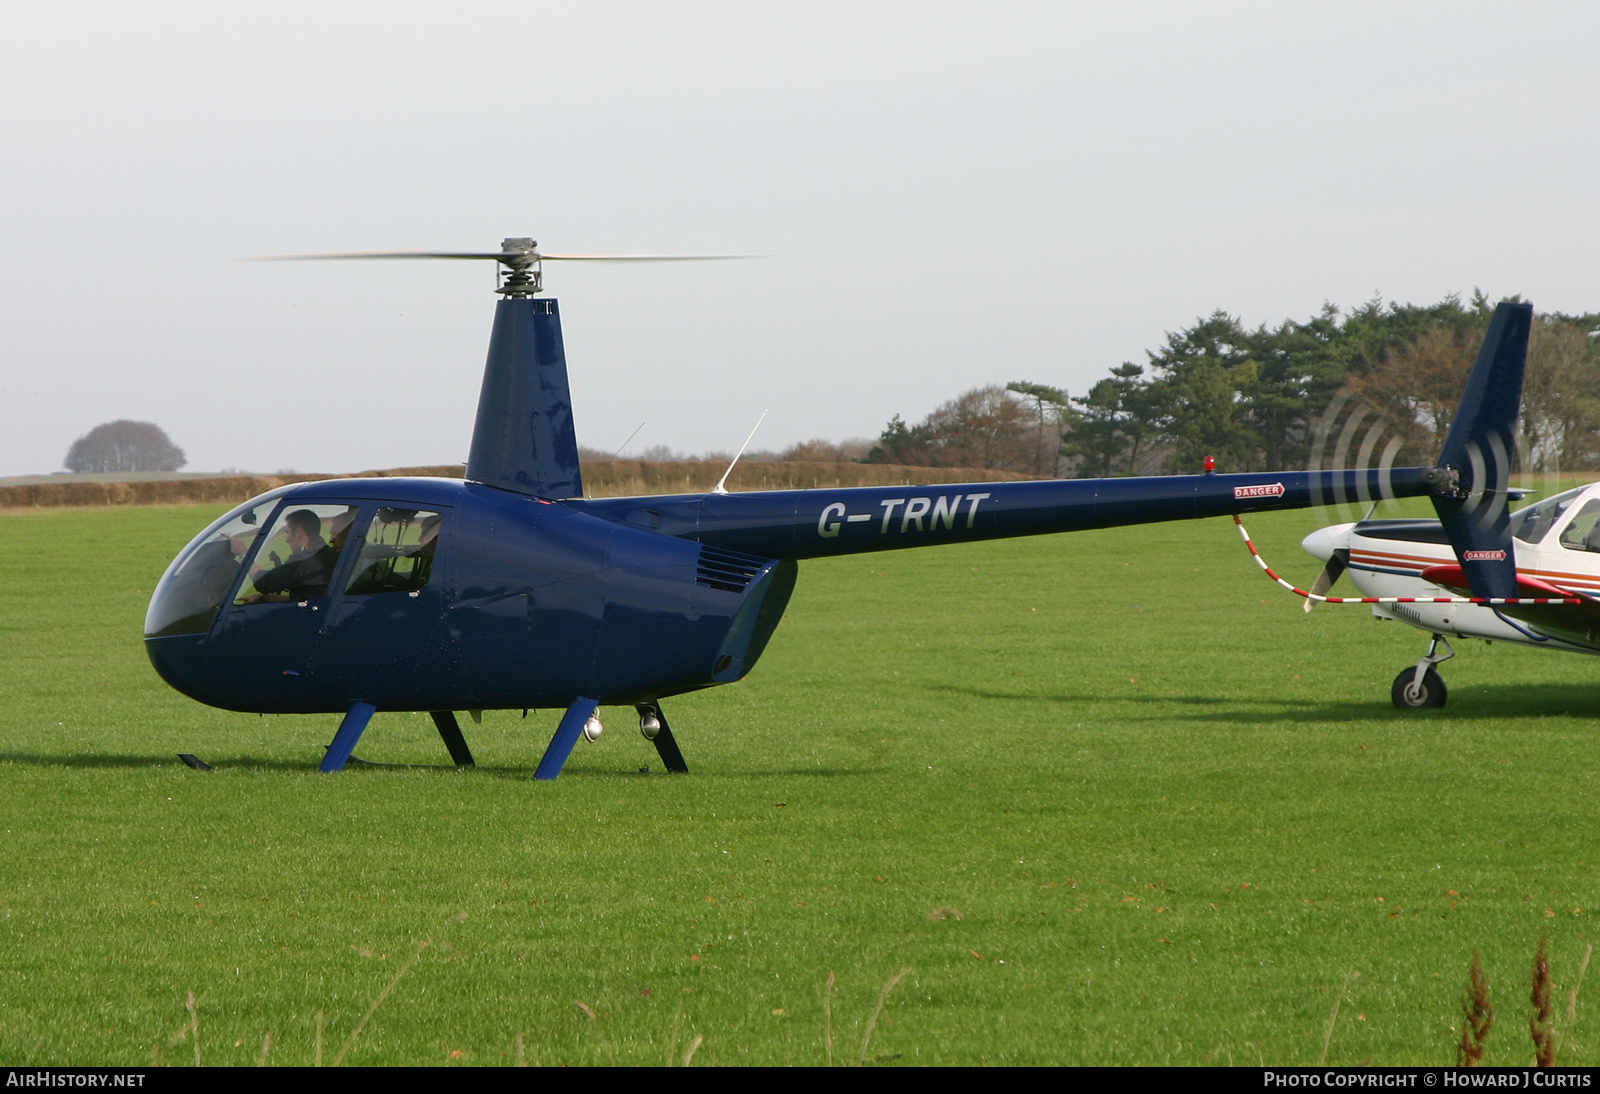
(1333, 1018)
(266, 1047)
(1572, 999)
(520, 1060)
(1544, 1042)
(405, 967)
(694, 1045)
(189, 1028)
(382, 995)
(672, 1042)
(1477, 1014)
(194, 1024)
(316, 1053)
(827, 1017)
(598, 1032)
(872, 1019)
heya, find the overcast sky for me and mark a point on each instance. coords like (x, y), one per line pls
(952, 195)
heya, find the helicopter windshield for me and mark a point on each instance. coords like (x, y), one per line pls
(191, 591)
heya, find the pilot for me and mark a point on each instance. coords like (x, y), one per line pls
(307, 570)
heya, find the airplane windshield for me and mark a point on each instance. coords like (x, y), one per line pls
(1582, 533)
(191, 591)
(1532, 524)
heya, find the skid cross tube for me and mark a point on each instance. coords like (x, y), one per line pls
(561, 745)
(450, 730)
(344, 741)
(666, 744)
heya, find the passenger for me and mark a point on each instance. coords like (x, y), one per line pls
(339, 528)
(305, 573)
(422, 568)
(429, 533)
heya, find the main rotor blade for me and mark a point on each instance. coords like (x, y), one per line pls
(499, 256)
(641, 258)
(385, 254)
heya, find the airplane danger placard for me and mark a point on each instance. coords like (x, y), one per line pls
(1482, 556)
(1269, 490)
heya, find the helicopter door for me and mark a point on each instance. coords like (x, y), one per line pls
(384, 638)
(264, 639)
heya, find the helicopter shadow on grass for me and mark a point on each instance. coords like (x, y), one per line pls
(518, 772)
(111, 759)
(1519, 701)
(254, 763)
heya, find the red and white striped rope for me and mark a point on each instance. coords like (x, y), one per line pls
(1315, 598)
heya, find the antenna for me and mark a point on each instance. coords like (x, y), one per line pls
(721, 487)
(629, 441)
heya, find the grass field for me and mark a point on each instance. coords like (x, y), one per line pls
(1110, 797)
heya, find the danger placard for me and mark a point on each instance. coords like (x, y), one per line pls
(1482, 556)
(1269, 490)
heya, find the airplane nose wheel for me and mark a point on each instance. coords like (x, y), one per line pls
(1410, 694)
(1420, 687)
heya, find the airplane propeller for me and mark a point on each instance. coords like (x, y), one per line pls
(519, 255)
(1332, 570)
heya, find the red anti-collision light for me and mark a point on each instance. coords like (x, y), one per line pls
(1211, 464)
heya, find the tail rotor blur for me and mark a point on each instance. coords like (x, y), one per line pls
(1353, 434)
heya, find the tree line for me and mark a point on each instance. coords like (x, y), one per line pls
(1255, 399)
(124, 445)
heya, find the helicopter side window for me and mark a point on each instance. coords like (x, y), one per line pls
(1532, 524)
(397, 555)
(1583, 533)
(297, 557)
(190, 594)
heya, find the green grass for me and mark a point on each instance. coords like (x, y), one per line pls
(1111, 797)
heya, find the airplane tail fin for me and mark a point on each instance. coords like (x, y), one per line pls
(1478, 452)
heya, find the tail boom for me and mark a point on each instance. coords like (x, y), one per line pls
(823, 523)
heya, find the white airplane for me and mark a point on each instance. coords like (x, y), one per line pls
(1479, 571)
(1557, 552)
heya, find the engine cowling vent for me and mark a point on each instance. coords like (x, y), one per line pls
(729, 571)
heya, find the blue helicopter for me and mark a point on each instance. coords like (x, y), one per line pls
(511, 590)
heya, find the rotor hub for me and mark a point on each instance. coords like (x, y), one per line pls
(524, 274)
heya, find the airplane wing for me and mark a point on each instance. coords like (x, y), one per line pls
(1577, 623)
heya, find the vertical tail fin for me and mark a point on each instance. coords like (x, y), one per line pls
(1478, 451)
(524, 438)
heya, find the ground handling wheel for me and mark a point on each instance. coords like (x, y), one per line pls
(1429, 695)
